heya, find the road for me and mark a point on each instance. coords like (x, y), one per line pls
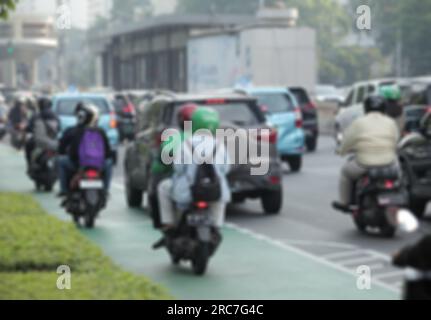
(307, 251)
(308, 223)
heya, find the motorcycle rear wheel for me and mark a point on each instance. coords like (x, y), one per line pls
(200, 260)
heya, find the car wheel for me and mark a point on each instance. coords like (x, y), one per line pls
(311, 144)
(134, 196)
(272, 202)
(295, 163)
(418, 207)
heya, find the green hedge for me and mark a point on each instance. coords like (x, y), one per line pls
(33, 244)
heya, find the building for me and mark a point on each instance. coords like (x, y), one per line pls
(153, 53)
(96, 9)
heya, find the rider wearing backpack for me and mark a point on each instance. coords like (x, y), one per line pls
(198, 176)
(83, 146)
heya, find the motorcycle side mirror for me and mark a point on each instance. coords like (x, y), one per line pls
(407, 221)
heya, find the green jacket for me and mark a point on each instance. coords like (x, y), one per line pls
(171, 145)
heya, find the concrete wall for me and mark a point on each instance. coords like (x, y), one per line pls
(258, 56)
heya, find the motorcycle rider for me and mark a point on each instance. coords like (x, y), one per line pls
(43, 127)
(394, 106)
(421, 137)
(417, 260)
(174, 194)
(373, 139)
(17, 117)
(68, 161)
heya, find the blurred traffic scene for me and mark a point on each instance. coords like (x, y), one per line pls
(316, 116)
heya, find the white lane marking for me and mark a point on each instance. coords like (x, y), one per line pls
(290, 248)
(359, 261)
(377, 266)
(390, 275)
(118, 186)
(319, 244)
(303, 253)
(343, 254)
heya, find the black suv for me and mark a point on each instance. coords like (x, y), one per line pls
(236, 111)
(309, 115)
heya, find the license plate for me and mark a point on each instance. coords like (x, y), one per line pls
(392, 199)
(91, 184)
(199, 219)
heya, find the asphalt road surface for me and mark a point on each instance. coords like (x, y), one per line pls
(308, 251)
(308, 222)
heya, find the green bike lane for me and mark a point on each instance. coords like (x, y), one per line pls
(246, 266)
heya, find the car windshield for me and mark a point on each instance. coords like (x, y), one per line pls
(239, 113)
(275, 102)
(66, 107)
(301, 96)
(326, 90)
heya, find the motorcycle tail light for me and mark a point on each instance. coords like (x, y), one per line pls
(201, 205)
(92, 174)
(389, 184)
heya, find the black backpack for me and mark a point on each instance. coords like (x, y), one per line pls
(207, 186)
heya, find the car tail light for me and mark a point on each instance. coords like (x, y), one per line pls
(158, 139)
(310, 106)
(271, 137)
(428, 109)
(215, 101)
(298, 120)
(201, 205)
(92, 174)
(274, 180)
(389, 184)
(113, 121)
(129, 108)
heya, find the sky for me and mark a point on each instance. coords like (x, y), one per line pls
(79, 9)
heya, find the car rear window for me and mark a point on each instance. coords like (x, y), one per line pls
(240, 113)
(66, 107)
(300, 95)
(275, 102)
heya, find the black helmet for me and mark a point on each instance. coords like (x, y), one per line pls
(44, 103)
(425, 124)
(375, 104)
(87, 114)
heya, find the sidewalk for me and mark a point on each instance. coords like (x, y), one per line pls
(244, 267)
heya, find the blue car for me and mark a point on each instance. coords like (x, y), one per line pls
(283, 112)
(64, 106)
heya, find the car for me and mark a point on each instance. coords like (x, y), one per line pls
(328, 93)
(126, 116)
(283, 112)
(309, 116)
(353, 107)
(236, 111)
(64, 106)
(417, 104)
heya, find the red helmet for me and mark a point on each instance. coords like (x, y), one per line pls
(186, 113)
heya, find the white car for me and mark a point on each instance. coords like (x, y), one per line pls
(353, 107)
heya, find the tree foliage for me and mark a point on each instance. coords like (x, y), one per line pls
(126, 10)
(6, 6)
(403, 24)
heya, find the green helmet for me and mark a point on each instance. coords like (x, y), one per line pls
(206, 118)
(390, 92)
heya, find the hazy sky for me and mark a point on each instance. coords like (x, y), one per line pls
(79, 8)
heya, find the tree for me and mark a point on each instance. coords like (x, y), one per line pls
(6, 6)
(401, 30)
(126, 10)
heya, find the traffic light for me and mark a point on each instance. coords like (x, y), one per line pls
(10, 49)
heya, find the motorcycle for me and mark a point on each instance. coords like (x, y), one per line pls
(87, 197)
(18, 136)
(378, 197)
(195, 239)
(416, 165)
(43, 171)
(3, 129)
